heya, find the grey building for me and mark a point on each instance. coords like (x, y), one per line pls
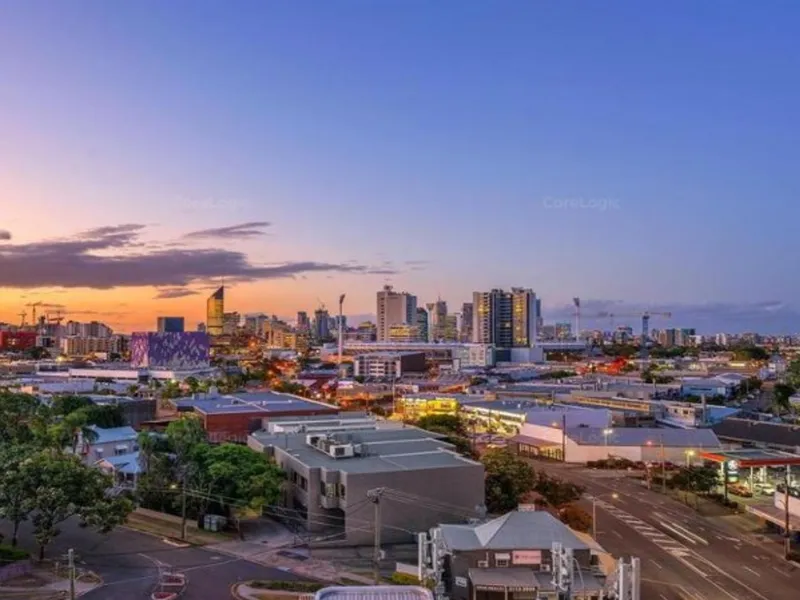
(422, 480)
(170, 324)
(510, 558)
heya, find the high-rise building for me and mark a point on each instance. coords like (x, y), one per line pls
(563, 331)
(437, 317)
(230, 322)
(422, 323)
(322, 324)
(303, 324)
(170, 324)
(215, 312)
(394, 308)
(505, 319)
(465, 334)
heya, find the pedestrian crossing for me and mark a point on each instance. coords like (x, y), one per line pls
(660, 539)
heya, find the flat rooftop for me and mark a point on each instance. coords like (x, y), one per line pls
(257, 402)
(645, 436)
(754, 457)
(383, 450)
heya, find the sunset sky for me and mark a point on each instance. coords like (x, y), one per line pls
(634, 154)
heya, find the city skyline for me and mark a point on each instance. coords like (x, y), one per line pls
(578, 151)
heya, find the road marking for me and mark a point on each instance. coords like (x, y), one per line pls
(662, 596)
(676, 532)
(655, 563)
(617, 533)
(784, 573)
(753, 571)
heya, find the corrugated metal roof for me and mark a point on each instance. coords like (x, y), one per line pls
(377, 592)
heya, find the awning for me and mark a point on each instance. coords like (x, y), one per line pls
(512, 579)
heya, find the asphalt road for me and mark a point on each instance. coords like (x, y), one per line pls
(129, 563)
(684, 555)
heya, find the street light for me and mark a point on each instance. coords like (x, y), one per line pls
(689, 455)
(606, 433)
(613, 496)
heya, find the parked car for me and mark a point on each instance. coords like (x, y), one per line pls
(740, 490)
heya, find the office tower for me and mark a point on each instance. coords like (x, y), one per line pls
(230, 322)
(539, 319)
(303, 324)
(170, 325)
(465, 333)
(437, 317)
(505, 319)
(254, 324)
(422, 323)
(215, 312)
(450, 328)
(394, 308)
(322, 324)
(563, 331)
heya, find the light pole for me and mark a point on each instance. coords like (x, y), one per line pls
(663, 464)
(606, 432)
(613, 496)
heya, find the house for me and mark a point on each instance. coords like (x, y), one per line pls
(124, 468)
(114, 441)
(511, 558)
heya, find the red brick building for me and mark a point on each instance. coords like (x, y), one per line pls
(17, 340)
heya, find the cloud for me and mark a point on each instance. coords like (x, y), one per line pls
(169, 293)
(232, 232)
(5, 235)
(111, 257)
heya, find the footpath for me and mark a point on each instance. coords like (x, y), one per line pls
(42, 584)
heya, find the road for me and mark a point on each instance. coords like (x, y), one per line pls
(129, 562)
(684, 555)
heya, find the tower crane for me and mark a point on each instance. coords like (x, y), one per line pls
(22, 316)
(645, 317)
(32, 306)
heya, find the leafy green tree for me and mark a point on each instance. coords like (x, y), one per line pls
(792, 374)
(558, 493)
(576, 518)
(780, 397)
(193, 384)
(61, 487)
(15, 501)
(64, 405)
(700, 479)
(508, 479)
(18, 417)
(446, 424)
(106, 416)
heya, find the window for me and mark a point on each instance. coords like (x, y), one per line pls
(502, 560)
(483, 564)
(303, 482)
(342, 491)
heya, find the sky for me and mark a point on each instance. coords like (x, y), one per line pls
(636, 155)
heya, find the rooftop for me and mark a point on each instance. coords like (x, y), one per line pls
(257, 402)
(127, 464)
(754, 457)
(114, 434)
(374, 592)
(744, 430)
(383, 450)
(644, 436)
(518, 530)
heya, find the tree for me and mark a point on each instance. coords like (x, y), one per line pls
(64, 405)
(18, 414)
(446, 424)
(71, 429)
(700, 479)
(780, 397)
(61, 487)
(15, 502)
(508, 479)
(192, 383)
(575, 517)
(558, 493)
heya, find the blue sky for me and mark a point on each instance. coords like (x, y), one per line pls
(628, 151)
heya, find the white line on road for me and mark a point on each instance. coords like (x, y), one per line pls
(662, 596)
(617, 533)
(784, 573)
(753, 571)
(656, 564)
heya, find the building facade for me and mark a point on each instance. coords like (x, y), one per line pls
(187, 350)
(215, 312)
(394, 308)
(170, 325)
(389, 364)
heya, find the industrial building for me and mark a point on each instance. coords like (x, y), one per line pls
(332, 474)
(232, 418)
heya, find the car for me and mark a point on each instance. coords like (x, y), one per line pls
(766, 489)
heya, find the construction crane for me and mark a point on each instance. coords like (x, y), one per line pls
(645, 317)
(22, 316)
(33, 305)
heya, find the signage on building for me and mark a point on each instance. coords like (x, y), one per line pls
(461, 582)
(527, 557)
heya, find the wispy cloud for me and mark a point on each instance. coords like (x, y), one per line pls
(5, 235)
(170, 293)
(232, 232)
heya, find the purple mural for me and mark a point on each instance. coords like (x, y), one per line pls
(169, 350)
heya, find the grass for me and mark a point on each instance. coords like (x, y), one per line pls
(10, 554)
(169, 529)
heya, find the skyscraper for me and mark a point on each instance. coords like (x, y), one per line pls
(437, 320)
(394, 308)
(303, 324)
(466, 322)
(422, 323)
(322, 324)
(215, 312)
(505, 319)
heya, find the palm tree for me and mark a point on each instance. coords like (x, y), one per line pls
(71, 430)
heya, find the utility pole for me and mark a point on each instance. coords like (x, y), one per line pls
(663, 467)
(787, 520)
(375, 496)
(183, 508)
(71, 563)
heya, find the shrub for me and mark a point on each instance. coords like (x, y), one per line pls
(304, 587)
(403, 579)
(9, 554)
